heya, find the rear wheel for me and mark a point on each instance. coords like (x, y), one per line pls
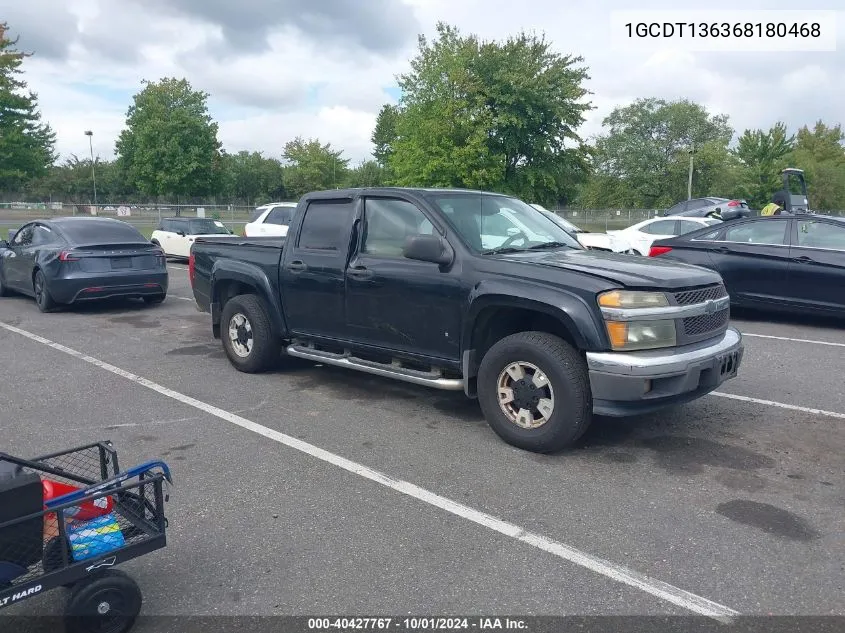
(109, 602)
(42, 293)
(534, 391)
(248, 338)
(4, 292)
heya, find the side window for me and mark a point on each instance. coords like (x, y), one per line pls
(765, 232)
(387, 223)
(326, 225)
(681, 206)
(167, 226)
(688, 226)
(815, 234)
(661, 227)
(24, 236)
(41, 235)
(279, 215)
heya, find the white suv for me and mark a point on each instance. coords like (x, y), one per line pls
(176, 235)
(270, 220)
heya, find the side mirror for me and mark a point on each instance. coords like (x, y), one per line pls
(428, 248)
(4, 244)
(11, 237)
(180, 233)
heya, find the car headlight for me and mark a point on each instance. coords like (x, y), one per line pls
(632, 320)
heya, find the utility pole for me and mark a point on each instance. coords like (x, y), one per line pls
(689, 182)
(90, 136)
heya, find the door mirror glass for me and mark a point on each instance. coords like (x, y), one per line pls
(11, 236)
(427, 248)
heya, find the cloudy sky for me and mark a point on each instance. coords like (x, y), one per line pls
(276, 69)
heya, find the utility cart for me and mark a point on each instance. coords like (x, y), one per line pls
(67, 520)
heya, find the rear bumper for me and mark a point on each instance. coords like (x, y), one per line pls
(630, 383)
(73, 289)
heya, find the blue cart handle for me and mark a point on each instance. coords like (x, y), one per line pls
(131, 473)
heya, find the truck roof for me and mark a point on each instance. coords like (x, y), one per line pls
(359, 190)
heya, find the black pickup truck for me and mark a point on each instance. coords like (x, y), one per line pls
(472, 292)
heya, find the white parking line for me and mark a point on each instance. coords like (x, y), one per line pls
(177, 267)
(780, 405)
(182, 298)
(608, 569)
(794, 340)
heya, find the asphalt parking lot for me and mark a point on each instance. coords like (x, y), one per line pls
(738, 498)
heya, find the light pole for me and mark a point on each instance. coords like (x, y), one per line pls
(689, 181)
(90, 136)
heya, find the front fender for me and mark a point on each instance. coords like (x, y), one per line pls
(581, 319)
(254, 278)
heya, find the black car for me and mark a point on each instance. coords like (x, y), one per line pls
(786, 262)
(65, 260)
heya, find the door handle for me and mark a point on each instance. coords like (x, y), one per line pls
(803, 259)
(721, 249)
(360, 273)
(297, 266)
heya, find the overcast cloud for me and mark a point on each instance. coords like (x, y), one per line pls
(280, 68)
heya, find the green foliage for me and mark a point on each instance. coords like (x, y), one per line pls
(26, 144)
(313, 166)
(820, 154)
(169, 145)
(762, 156)
(487, 115)
(250, 177)
(384, 133)
(646, 153)
(367, 174)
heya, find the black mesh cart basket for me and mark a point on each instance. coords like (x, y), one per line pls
(67, 520)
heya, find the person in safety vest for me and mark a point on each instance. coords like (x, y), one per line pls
(776, 206)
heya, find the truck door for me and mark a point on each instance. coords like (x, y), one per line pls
(395, 302)
(313, 269)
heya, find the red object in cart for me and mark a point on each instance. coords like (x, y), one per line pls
(84, 511)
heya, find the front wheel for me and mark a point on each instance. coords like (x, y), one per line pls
(248, 338)
(534, 391)
(43, 299)
(110, 601)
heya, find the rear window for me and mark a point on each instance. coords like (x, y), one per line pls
(207, 227)
(326, 225)
(257, 214)
(101, 232)
(280, 215)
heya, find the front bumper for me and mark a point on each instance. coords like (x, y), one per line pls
(630, 383)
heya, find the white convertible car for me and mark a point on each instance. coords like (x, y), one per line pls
(176, 235)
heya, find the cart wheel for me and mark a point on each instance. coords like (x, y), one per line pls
(107, 603)
(53, 559)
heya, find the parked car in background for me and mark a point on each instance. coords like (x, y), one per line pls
(66, 260)
(591, 241)
(790, 263)
(270, 219)
(705, 207)
(177, 235)
(639, 237)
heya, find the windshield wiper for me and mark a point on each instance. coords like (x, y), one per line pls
(537, 247)
(502, 250)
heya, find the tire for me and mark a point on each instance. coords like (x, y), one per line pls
(566, 385)
(108, 602)
(154, 300)
(4, 292)
(258, 350)
(43, 299)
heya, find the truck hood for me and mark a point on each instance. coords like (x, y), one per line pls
(627, 270)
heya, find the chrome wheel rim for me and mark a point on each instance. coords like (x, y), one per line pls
(240, 335)
(526, 396)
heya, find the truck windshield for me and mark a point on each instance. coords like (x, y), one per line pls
(490, 223)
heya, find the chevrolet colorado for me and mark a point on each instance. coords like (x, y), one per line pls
(474, 292)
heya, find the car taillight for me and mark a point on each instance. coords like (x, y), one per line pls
(67, 256)
(734, 203)
(655, 251)
(191, 269)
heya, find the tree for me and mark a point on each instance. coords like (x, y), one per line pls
(384, 133)
(820, 154)
(762, 156)
(646, 149)
(313, 166)
(26, 144)
(250, 177)
(170, 142)
(367, 174)
(487, 114)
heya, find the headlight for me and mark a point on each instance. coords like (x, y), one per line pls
(632, 299)
(632, 319)
(640, 335)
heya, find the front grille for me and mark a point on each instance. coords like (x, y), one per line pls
(698, 325)
(700, 295)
